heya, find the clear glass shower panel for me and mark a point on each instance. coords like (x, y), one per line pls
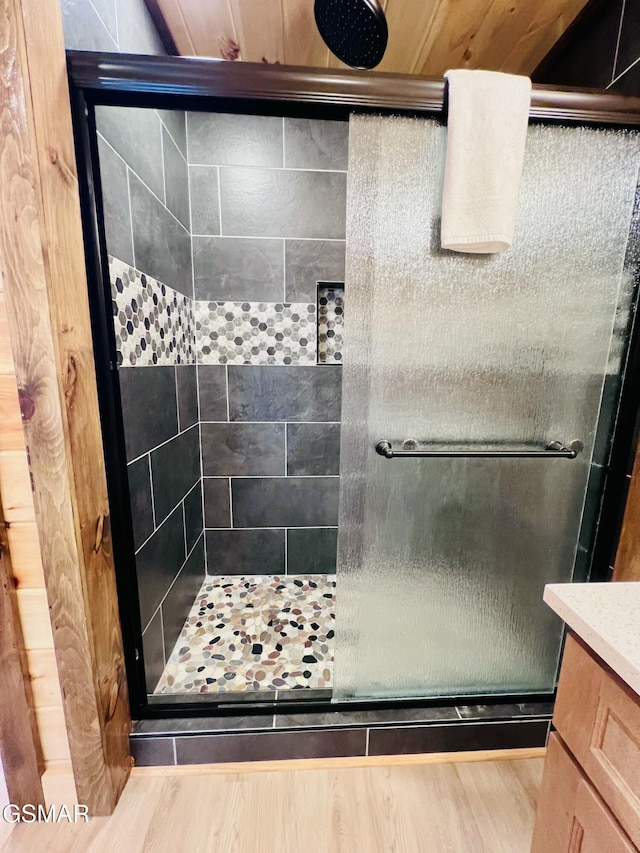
(442, 561)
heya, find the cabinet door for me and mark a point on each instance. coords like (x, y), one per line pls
(571, 816)
(598, 718)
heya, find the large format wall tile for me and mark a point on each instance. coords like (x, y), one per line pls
(205, 203)
(187, 385)
(153, 323)
(83, 29)
(153, 650)
(312, 551)
(234, 140)
(140, 497)
(176, 123)
(284, 394)
(180, 597)
(628, 47)
(245, 552)
(176, 179)
(313, 449)
(149, 407)
(135, 134)
(256, 332)
(175, 467)
(158, 562)
(316, 144)
(216, 502)
(272, 746)
(212, 389)
(193, 522)
(115, 203)
(283, 203)
(136, 30)
(589, 52)
(285, 501)
(163, 246)
(107, 11)
(309, 261)
(242, 449)
(238, 268)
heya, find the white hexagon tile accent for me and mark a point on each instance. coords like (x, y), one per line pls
(256, 332)
(154, 324)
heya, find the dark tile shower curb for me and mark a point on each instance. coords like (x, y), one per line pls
(339, 734)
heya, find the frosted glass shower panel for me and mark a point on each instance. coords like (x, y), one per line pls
(442, 561)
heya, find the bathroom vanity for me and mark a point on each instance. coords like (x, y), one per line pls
(590, 795)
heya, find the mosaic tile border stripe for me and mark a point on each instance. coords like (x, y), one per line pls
(154, 324)
(256, 333)
(330, 322)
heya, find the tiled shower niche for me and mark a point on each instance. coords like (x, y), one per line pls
(226, 237)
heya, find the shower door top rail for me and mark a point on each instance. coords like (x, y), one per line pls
(197, 83)
(553, 450)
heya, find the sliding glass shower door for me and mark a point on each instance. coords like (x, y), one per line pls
(506, 365)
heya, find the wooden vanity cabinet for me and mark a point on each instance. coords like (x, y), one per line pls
(590, 796)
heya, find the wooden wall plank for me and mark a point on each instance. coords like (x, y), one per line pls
(47, 305)
(6, 358)
(53, 734)
(59, 784)
(15, 486)
(81, 427)
(20, 747)
(25, 551)
(33, 605)
(627, 560)
(43, 672)
(11, 436)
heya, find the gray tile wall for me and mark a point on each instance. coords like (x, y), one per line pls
(270, 466)
(109, 25)
(245, 448)
(162, 437)
(146, 192)
(601, 50)
(145, 185)
(268, 201)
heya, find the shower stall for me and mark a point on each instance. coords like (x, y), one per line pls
(342, 461)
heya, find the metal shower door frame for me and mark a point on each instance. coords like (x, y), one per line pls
(199, 84)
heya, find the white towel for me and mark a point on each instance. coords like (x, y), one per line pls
(486, 134)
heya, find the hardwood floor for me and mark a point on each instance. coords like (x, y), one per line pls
(395, 806)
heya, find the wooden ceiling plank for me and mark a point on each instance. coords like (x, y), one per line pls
(496, 34)
(303, 44)
(425, 38)
(211, 28)
(260, 29)
(452, 31)
(543, 31)
(408, 21)
(177, 26)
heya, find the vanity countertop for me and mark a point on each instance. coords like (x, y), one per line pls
(606, 616)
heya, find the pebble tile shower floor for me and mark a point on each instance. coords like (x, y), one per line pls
(259, 632)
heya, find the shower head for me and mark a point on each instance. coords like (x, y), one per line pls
(354, 30)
